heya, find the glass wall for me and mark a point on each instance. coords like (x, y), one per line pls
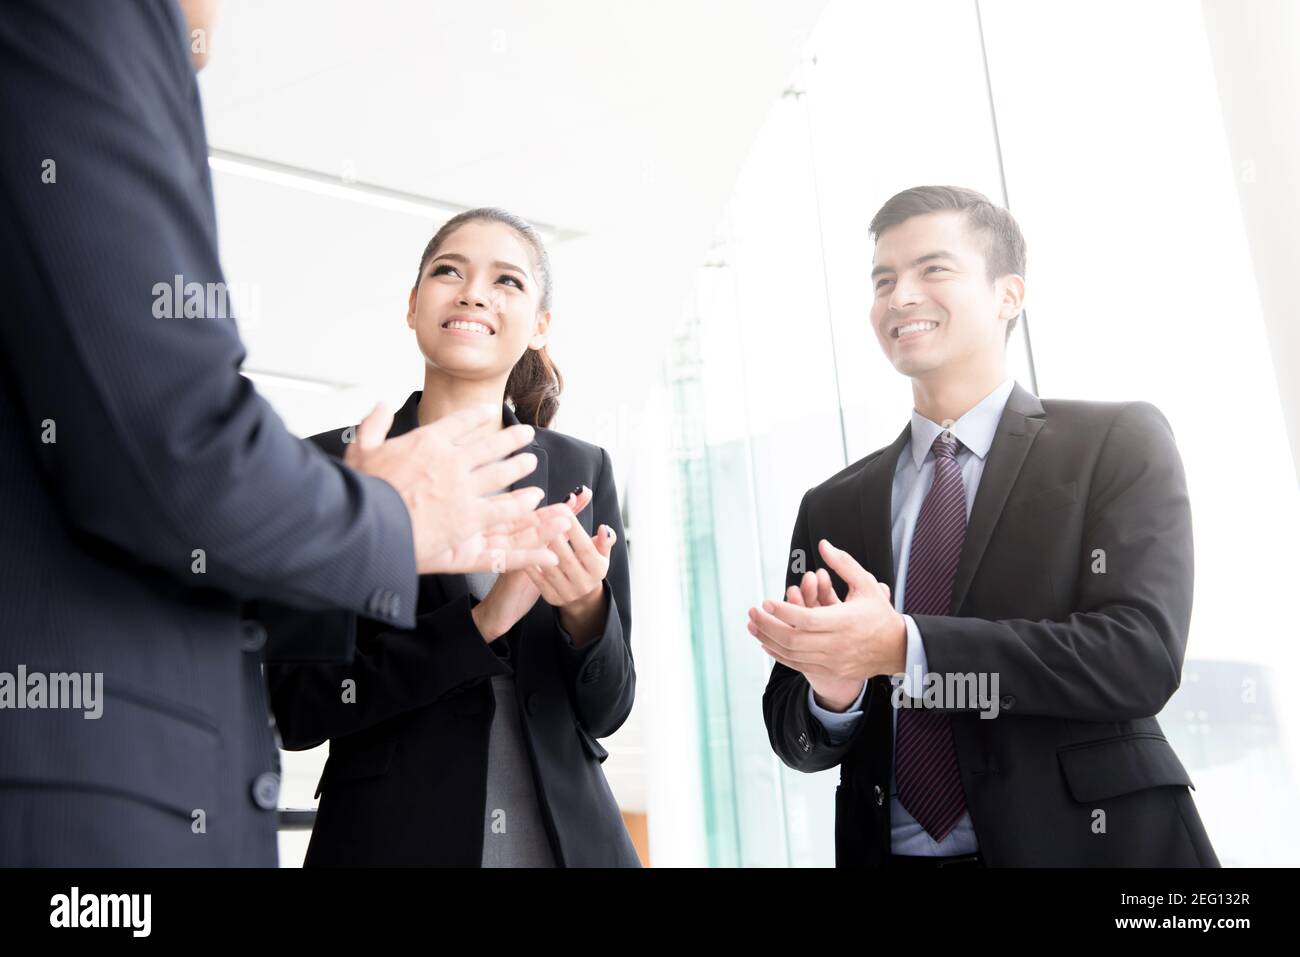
(1140, 287)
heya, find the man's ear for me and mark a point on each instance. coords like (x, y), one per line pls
(1011, 296)
(410, 310)
(540, 329)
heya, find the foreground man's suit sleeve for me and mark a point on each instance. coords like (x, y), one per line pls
(170, 491)
(162, 446)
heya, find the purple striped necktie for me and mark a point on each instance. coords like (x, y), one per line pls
(925, 760)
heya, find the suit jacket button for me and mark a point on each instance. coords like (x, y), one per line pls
(266, 790)
(254, 635)
(804, 742)
(532, 702)
(880, 796)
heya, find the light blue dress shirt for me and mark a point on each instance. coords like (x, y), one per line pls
(912, 479)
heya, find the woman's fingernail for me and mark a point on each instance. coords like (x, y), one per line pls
(609, 532)
(577, 490)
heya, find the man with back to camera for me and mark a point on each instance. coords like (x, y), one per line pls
(149, 492)
(1039, 555)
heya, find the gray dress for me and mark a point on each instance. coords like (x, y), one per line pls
(513, 832)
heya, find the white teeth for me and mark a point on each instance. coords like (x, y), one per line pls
(471, 326)
(915, 327)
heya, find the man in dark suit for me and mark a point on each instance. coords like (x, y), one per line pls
(1039, 559)
(149, 491)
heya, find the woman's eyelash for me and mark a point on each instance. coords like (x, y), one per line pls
(444, 268)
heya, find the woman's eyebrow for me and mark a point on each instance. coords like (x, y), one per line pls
(505, 265)
(499, 264)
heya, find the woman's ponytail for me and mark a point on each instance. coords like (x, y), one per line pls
(534, 388)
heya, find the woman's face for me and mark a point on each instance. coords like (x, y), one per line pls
(476, 308)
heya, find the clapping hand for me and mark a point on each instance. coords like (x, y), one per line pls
(836, 645)
(445, 478)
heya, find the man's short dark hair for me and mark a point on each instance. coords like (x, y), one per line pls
(1004, 246)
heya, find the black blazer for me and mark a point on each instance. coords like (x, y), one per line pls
(406, 776)
(149, 491)
(1084, 660)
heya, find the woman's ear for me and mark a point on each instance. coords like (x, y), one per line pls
(543, 325)
(410, 309)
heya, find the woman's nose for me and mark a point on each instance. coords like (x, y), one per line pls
(471, 295)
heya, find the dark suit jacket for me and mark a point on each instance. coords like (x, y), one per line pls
(1085, 659)
(405, 779)
(163, 458)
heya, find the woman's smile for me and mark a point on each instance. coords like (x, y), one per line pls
(464, 326)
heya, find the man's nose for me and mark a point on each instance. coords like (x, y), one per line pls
(906, 293)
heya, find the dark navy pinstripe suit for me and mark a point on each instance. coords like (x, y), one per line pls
(160, 449)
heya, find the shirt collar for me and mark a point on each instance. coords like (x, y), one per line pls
(975, 429)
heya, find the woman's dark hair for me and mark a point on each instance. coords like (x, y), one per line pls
(535, 383)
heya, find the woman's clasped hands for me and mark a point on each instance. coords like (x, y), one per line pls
(573, 586)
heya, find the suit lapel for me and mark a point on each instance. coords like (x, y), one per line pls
(540, 475)
(1021, 420)
(875, 521)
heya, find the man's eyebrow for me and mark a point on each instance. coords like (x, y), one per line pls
(499, 264)
(937, 254)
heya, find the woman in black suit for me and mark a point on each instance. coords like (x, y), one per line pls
(471, 740)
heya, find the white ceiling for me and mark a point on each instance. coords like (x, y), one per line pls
(554, 109)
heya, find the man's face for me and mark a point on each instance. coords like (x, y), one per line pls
(934, 307)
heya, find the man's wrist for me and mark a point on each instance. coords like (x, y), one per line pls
(836, 700)
(897, 663)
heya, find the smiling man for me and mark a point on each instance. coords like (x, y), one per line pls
(1042, 546)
